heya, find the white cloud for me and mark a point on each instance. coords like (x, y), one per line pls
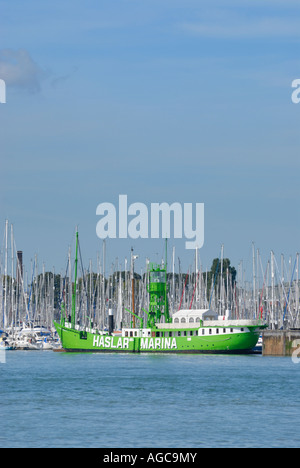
(18, 69)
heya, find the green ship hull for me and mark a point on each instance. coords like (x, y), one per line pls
(206, 339)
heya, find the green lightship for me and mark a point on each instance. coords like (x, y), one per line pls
(188, 331)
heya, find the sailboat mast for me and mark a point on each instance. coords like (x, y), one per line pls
(166, 308)
(273, 289)
(75, 284)
(254, 280)
(132, 288)
(166, 275)
(12, 273)
(5, 275)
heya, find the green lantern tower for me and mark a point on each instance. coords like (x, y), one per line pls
(158, 292)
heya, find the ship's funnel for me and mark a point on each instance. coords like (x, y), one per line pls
(110, 321)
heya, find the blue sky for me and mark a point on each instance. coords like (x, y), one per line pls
(182, 100)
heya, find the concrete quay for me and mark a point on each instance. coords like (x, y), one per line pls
(280, 342)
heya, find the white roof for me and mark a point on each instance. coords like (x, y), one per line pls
(194, 313)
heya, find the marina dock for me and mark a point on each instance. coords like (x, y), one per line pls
(280, 342)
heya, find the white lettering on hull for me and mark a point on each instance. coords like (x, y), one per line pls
(111, 342)
(158, 343)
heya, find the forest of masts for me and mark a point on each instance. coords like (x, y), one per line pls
(34, 296)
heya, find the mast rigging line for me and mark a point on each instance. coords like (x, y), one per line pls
(194, 290)
(216, 274)
(262, 292)
(183, 291)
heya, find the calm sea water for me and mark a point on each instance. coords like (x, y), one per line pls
(130, 401)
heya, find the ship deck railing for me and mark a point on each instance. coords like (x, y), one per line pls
(209, 323)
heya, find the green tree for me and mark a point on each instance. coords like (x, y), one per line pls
(215, 273)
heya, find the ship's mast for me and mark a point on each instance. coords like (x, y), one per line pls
(133, 258)
(166, 305)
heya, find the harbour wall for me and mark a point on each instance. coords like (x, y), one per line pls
(280, 342)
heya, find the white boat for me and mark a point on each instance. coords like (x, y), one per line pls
(259, 347)
(4, 345)
(33, 338)
(49, 343)
(45, 338)
(27, 340)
